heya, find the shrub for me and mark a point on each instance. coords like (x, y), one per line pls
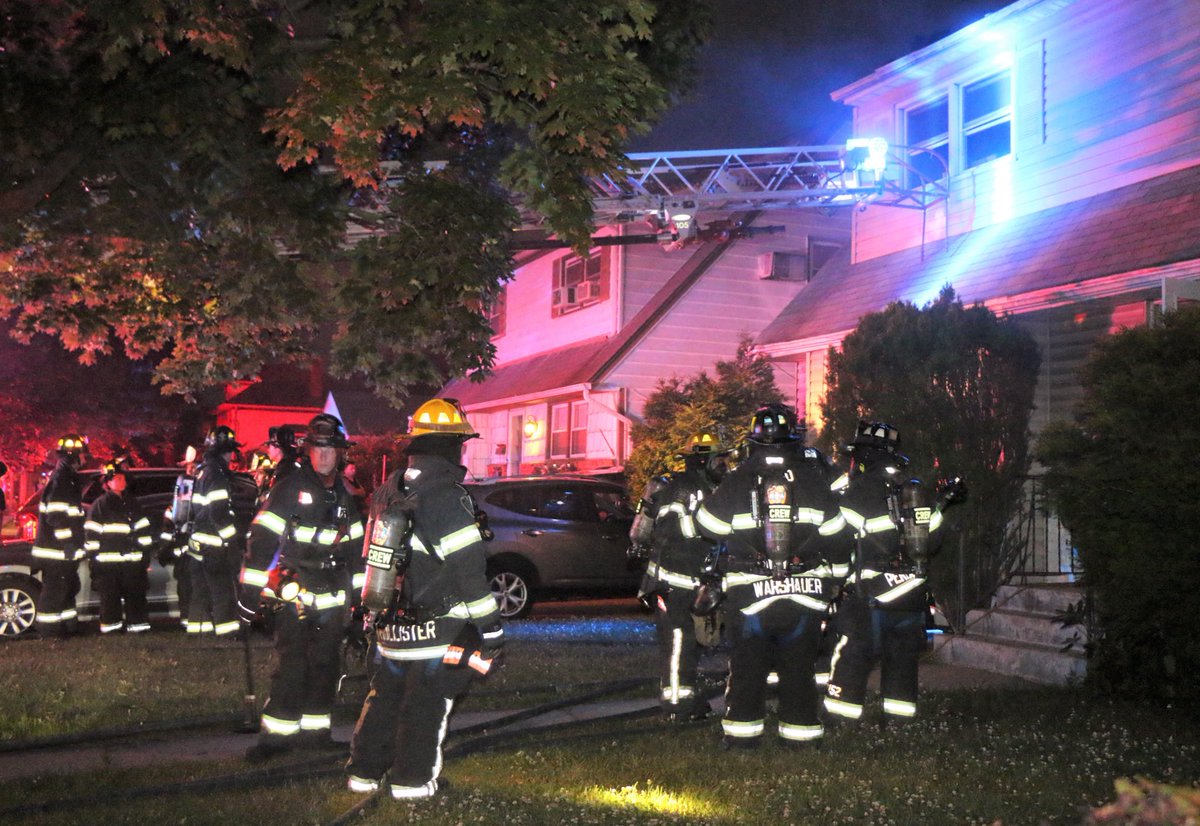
(1124, 477)
(958, 383)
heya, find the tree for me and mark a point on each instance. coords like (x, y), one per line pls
(958, 383)
(680, 408)
(44, 394)
(1123, 478)
(179, 173)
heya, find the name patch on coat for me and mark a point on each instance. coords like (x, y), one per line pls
(792, 585)
(416, 632)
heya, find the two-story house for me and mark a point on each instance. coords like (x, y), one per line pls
(1062, 142)
(581, 341)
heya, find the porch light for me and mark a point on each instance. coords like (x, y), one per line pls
(530, 428)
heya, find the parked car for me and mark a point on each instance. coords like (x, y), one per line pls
(154, 488)
(556, 534)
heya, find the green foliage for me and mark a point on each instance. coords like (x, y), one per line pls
(1123, 478)
(680, 408)
(958, 383)
(167, 167)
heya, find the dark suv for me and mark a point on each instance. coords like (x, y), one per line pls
(154, 488)
(556, 534)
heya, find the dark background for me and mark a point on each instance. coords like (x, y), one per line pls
(765, 77)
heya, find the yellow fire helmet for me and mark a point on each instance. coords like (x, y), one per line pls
(706, 442)
(441, 416)
(72, 445)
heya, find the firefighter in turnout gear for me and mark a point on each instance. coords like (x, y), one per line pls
(785, 557)
(436, 621)
(882, 614)
(283, 458)
(303, 560)
(214, 548)
(118, 541)
(174, 533)
(664, 528)
(58, 544)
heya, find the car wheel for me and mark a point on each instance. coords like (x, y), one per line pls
(18, 604)
(511, 590)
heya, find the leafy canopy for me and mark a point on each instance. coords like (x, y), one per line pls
(179, 173)
(1123, 478)
(958, 383)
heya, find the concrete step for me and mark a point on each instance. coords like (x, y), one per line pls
(1038, 599)
(1024, 626)
(1039, 663)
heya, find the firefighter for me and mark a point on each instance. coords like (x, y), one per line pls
(781, 531)
(214, 547)
(173, 536)
(441, 624)
(283, 457)
(302, 559)
(882, 614)
(664, 531)
(117, 541)
(58, 544)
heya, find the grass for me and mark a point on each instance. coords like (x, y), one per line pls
(972, 757)
(91, 683)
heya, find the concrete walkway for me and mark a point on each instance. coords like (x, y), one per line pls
(148, 750)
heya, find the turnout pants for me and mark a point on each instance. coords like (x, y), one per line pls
(785, 637)
(56, 613)
(308, 645)
(869, 635)
(403, 725)
(679, 650)
(182, 571)
(214, 595)
(117, 583)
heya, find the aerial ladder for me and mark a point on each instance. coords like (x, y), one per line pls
(668, 191)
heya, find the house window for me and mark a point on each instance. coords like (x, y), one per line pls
(987, 120)
(579, 282)
(496, 313)
(568, 430)
(819, 253)
(928, 137)
(961, 130)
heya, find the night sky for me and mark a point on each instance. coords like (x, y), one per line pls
(766, 75)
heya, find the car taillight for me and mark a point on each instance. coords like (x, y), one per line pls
(27, 526)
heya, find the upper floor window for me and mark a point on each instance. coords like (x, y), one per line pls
(927, 131)
(579, 282)
(819, 253)
(969, 126)
(496, 312)
(987, 120)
